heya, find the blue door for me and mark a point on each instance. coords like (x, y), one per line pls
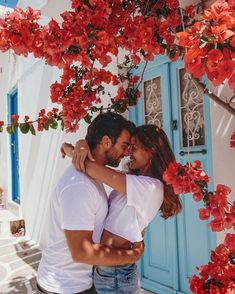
(13, 141)
(174, 248)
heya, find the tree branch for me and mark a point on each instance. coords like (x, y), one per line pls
(215, 98)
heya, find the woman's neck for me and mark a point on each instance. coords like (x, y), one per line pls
(146, 172)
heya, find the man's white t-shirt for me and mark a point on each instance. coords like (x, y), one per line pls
(130, 214)
(78, 203)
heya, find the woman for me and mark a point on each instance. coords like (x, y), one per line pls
(137, 198)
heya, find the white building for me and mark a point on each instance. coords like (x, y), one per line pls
(31, 165)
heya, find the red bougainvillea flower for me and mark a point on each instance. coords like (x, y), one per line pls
(1, 123)
(219, 272)
(135, 59)
(230, 242)
(204, 213)
(214, 289)
(232, 139)
(15, 118)
(222, 191)
(215, 55)
(197, 285)
(197, 196)
(26, 118)
(226, 68)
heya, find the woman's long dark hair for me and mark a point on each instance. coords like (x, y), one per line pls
(155, 140)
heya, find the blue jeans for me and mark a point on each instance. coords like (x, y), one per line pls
(116, 279)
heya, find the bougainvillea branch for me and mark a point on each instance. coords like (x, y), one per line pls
(219, 101)
(83, 44)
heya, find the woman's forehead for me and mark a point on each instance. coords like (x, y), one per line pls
(135, 141)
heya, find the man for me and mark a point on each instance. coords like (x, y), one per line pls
(77, 213)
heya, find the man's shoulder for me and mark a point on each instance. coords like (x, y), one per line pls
(74, 177)
(71, 175)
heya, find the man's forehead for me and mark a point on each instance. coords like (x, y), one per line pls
(125, 137)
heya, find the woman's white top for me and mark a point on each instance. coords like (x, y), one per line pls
(130, 214)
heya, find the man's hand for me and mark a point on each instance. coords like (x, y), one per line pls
(138, 248)
(66, 149)
(80, 154)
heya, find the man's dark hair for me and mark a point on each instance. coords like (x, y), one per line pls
(107, 124)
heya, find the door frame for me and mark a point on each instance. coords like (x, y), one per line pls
(14, 186)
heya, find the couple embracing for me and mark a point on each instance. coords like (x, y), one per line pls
(95, 240)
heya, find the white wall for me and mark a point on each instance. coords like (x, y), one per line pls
(4, 168)
(223, 125)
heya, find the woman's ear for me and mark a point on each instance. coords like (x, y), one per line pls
(106, 142)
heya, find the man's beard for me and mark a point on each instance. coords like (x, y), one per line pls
(112, 161)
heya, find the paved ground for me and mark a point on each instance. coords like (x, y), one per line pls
(19, 261)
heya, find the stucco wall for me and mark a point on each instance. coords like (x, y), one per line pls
(4, 60)
(223, 125)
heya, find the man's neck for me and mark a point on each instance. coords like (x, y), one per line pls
(99, 156)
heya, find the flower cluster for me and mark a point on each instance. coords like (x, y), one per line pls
(186, 179)
(44, 121)
(191, 178)
(232, 140)
(210, 44)
(85, 41)
(218, 276)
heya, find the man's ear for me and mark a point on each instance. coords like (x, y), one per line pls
(106, 142)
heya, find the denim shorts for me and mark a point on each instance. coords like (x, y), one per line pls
(116, 279)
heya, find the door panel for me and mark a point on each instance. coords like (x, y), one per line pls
(191, 142)
(174, 248)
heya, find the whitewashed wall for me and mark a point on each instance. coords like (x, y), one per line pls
(223, 125)
(4, 166)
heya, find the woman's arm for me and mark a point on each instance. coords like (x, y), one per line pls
(106, 175)
(79, 153)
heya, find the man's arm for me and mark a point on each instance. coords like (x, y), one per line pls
(84, 250)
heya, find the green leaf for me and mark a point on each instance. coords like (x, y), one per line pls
(62, 125)
(88, 118)
(12, 129)
(46, 126)
(32, 130)
(1, 129)
(53, 124)
(24, 128)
